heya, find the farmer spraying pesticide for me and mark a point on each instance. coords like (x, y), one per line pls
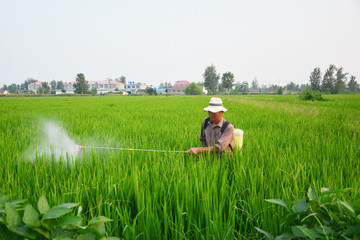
(217, 134)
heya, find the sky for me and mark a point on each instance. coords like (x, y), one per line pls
(156, 41)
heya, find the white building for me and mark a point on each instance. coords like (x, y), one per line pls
(133, 88)
(101, 86)
(179, 88)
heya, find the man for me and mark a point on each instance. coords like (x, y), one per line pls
(216, 132)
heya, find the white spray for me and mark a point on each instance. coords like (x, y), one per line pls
(56, 142)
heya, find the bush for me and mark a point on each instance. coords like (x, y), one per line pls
(308, 95)
(323, 216)
(20, 220)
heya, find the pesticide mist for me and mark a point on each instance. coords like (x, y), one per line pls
(55, 142)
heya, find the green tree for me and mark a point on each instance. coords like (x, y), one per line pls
(340, 83)
(244, 87)
(53, 84)
(353, 85)
(280, 90)
(211, 78)
(255, 84)
(150, 91)
(81, 86)
(94, 91)
(193, 89)
(291, 86)
(13, 88)
(45, 88)
(328, 83)
(227, 80)
(60, 85)
(315, 79)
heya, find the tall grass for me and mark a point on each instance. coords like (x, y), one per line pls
(289, 145)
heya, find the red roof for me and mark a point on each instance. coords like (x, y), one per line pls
(182, 83)
(2, 91)
(254, 90)
(35, 83)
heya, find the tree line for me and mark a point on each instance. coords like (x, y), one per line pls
(334, 81)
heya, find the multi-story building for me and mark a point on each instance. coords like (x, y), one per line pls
(35, 86)
(134, 88)
(178, 88)
(101, 86)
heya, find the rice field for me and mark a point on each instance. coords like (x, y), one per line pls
(289, 145)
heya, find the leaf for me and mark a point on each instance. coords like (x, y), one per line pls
(87, 236)
(100, 227)
(310, 233)
(60, 233)
(268, 235)
(43, 205)
(17, 202)
(55, 213)
(300, 206)
(347, 206)
(312, 195)
(113, 238)
(26, 232)
(43, 232)
(99, 219)
(30, 215)
(352, 230)
(70, 220)
(79, 211)
(3, 199)
(277, 201)
(324, 230)
(68, 205)
(285, 236)
(12, 216)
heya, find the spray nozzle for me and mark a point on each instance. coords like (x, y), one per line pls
(79, 147)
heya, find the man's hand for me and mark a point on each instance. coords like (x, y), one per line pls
(194, 151)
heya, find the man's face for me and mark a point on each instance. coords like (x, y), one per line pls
(215, 117)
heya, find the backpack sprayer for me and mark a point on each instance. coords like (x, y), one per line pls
(79, 148)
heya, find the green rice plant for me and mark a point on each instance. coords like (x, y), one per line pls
(20, 220)
(323, 216)
(289, 145)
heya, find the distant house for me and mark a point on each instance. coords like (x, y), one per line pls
(135, 88)
(35, 86)
(254, 90)
(101, 86)
(179, 88)
(4, 92)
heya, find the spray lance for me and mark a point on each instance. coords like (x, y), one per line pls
(79, 148)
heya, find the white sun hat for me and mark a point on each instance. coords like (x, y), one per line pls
(215, 105)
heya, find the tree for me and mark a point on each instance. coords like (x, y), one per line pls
(291, 86)
(53, 84)
(328, 83)
(315, 79)
(193, 89)
(60, 85)
(167, 85)
(255, 84)
(150, 91)
(280, 90)
(121, 79)
(4, 87)
(13, 88)
(227, 80)
(81, 86)
(244, 88)
(340, 83)
(94, 91)
(211, 78)
(353, 85)
(45, 88)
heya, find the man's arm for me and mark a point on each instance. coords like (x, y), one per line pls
(198, 150)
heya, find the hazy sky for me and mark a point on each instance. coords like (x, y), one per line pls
(276, 41)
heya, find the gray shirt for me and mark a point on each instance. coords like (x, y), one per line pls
(212, 134)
